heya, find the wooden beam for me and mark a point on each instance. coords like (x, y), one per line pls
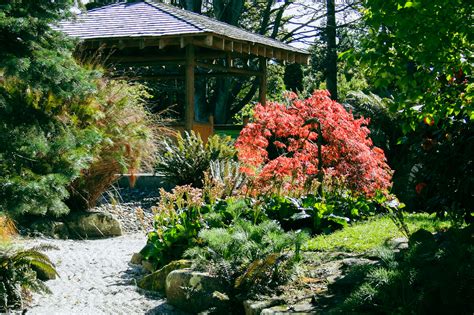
(162, 43)
(164, 77)
(254, 49)
(278, 54)
(121, 44)
(262, 90)
(230, 46)
(292, 58)
(209, 40)
(232, 70)
(189, 87)
(166, 57)
(141, 43)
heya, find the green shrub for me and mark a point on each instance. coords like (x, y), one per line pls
(433, 276)
(40, 153)
(46, 110)
(17, 275)
(183, 161)
(249, 257)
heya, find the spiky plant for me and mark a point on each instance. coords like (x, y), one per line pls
(227, 174)
(17, 275)
(183, 161)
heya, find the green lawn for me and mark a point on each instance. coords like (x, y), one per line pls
(368, 235)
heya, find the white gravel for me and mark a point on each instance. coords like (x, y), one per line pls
(96, 278)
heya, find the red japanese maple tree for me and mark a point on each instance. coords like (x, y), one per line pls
(280, 146)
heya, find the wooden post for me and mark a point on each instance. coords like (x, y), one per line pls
(262, 91)
(189, 88)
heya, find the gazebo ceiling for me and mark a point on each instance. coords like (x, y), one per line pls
(147, 23)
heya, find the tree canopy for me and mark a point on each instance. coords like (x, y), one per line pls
(422, 52)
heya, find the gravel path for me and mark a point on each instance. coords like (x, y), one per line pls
(96, 278)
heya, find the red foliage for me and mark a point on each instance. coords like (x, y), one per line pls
(280, 146)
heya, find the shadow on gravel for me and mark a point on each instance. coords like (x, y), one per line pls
(165, 309)
(131, 276)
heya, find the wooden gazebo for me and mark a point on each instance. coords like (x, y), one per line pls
(154, 33)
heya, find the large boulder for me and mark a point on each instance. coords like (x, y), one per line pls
(156, 281)
(92, 225)
(194, 292)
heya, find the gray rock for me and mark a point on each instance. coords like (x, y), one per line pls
(156, 281)
(398, 243)
(137, 259)
(256, 307)
(195, 292)
(307, 308)
(280, 309)
(300, 309)
(351, 262)
(92, 225)
(54, 229)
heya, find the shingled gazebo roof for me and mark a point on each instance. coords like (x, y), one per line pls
(149, 23)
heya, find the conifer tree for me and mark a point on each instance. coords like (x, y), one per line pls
(46, 135)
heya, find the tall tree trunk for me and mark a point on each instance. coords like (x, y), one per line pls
(191, 5)
(229, 12)
(201, 106)
(331, 61)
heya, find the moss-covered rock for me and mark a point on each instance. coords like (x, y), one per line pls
(92, 225)
(156, 281)
(195, 292)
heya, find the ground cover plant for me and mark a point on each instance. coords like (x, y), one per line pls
(326, 213)
(178, 220)
(362, 237)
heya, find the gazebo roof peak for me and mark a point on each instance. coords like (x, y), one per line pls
(150, 21)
